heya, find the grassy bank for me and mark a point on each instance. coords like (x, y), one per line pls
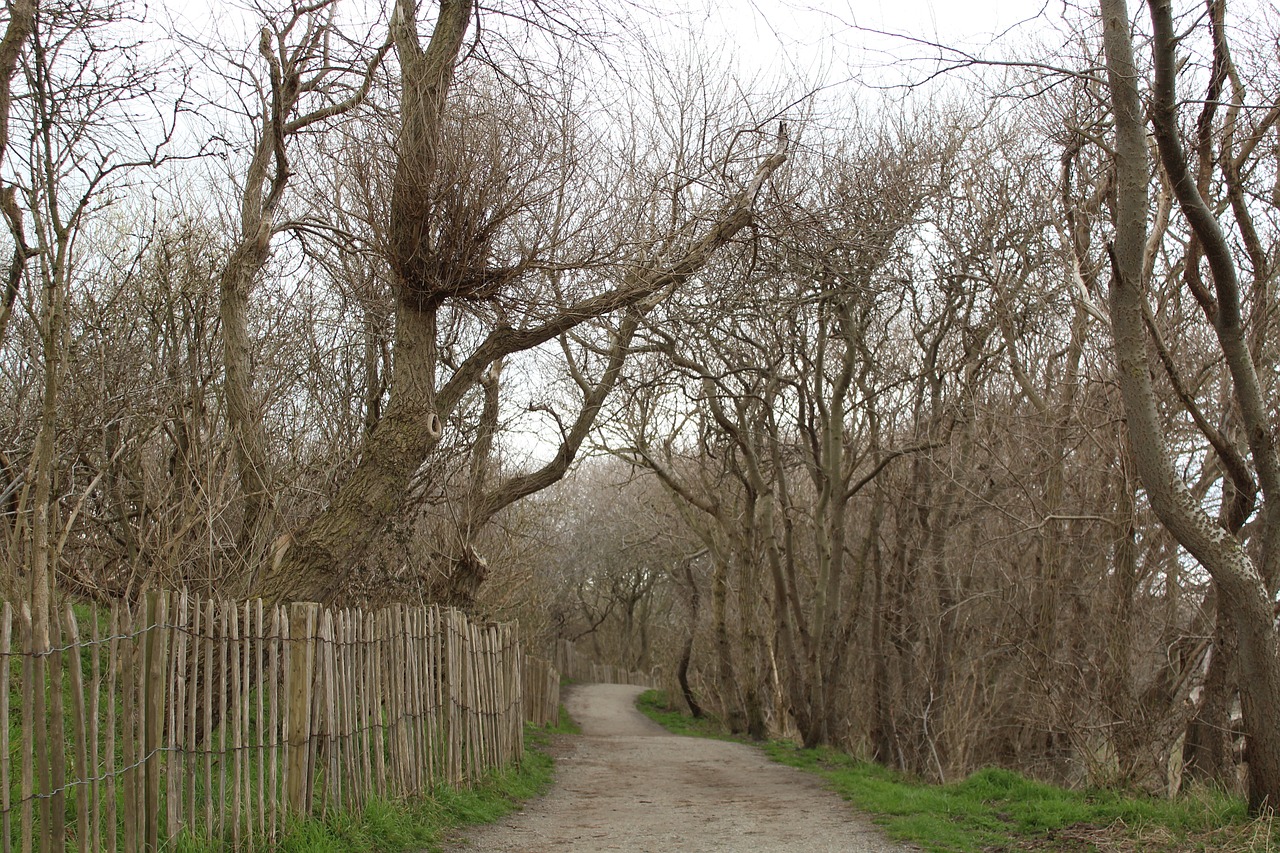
(995, 811)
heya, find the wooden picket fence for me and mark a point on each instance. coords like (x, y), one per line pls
(186, 716)
(541, 683)
(580, 667)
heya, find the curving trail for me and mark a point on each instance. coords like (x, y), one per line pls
(625, 784)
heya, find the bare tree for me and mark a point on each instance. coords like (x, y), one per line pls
(20, 26)
(1245, 583)
(441, 245)
(67, 151)
(307, 81)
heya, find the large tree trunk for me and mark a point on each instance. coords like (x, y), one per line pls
(1238, 579)
(313, 564)
(407, 432)
(245, 262)
(244, 415)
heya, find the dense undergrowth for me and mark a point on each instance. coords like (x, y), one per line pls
(994, 810)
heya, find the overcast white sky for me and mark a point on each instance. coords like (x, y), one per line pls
(808, 36)
(958, 21)
(791, 34)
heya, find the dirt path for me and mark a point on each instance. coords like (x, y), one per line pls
(626, 784)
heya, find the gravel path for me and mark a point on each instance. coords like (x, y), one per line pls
(625, 784)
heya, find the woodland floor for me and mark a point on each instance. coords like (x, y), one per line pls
(626, 784)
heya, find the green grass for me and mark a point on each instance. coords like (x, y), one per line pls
(998, 810)
(566, 725)
(654, 705)
(424, 823)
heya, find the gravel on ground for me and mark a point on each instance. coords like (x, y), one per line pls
(626, 784)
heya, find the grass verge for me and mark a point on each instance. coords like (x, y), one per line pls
(654, 705)
(565, 725)
(994, 811)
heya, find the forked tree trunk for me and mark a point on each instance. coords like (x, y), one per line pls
(315, 561)
(1238, 578)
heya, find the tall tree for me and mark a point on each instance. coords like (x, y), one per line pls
(21, 25)
(306, 83)
(1245, 583)
(443, 246)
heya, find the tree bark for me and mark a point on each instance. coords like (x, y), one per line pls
(22, 23)
(730, 702)
(686, 650)
(244, 414)
(1238, 579)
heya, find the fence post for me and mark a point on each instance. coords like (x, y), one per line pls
(79, 725)
(156, 666)
(302, 619)
(6, 644)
